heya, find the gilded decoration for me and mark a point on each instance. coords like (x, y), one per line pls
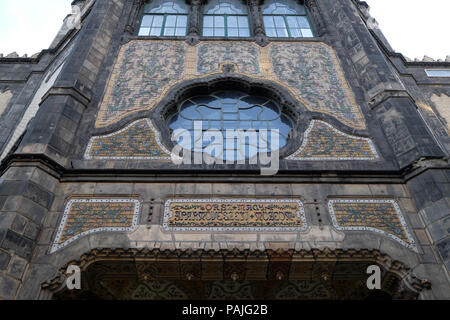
(376, 215)
(324, 142)
(86, 216)
(146, 69)
(139, 140)
(234, 215)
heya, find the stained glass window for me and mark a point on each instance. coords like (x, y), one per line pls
(285, 18)
(231, 110)
(164, 18)
(225, 18)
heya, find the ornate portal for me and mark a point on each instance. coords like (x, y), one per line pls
(234, 215)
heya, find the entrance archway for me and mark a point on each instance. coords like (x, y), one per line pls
(235, 275)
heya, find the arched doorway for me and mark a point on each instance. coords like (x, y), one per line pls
(235, 275)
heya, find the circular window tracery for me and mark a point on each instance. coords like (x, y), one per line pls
(232, 110)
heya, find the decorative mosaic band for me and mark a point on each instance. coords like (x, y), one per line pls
(234, 215)
(146, 70)
(380, 216)
(138, 140)
(324, 142)
(86, 216)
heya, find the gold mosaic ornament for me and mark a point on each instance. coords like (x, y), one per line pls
(232, 214)
(376, 215)
(86, 216)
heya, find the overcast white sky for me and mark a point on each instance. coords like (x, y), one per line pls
(413, 27)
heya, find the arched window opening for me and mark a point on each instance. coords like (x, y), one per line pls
(164, 18)
(225, 18)
(231, 110)
(286, 19)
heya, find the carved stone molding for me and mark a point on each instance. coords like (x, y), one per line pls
(194, 21)
(398, 280)
(134, 16)
(257, 23)
(316, 17)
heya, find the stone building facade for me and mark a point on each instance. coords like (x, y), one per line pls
(87, 176)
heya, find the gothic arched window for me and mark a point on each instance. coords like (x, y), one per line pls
(286, 18)
(164, 18)
(225, 111)
(225, 18)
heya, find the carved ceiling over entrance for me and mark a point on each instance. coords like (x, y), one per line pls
(234, 275)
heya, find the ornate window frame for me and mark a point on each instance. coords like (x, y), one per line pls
(287, 25)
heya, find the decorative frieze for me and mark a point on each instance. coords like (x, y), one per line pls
(324, 142)
(138, 140)
(146, 69)
(382, 216)
(233, 214)
(86, 216)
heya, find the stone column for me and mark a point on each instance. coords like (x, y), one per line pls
(133, 18)
(194, 21)
(316, 17)
(256, 22)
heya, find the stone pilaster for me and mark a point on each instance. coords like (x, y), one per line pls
(256, 22)
(26, 195)
(53, 130)
(195, 21)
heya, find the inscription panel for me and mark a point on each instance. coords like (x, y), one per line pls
(234, 215)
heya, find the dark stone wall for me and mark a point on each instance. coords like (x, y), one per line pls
(413, 141)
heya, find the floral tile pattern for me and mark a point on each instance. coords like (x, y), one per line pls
(139, 140)
(146, 69)
(234, 215)
(313, 72)
(324, 142)
(376, 215)
(86, 216)
(142, 74)
(244, 55)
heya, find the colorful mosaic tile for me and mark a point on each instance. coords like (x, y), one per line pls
(244, 55)
(323, 142)
(313, 72)
(139, 140)
(142, 74)
(234, 215)
(86, 216)
(146, 69)
(380, 216)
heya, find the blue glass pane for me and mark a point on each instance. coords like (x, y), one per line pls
(303, 23)
(144, 31)
(161, 6)
(268, 22)
(234, 110)
(225, 7)
(208, 21)
(284, 7)
(307, 33)
(232, 22)
(169, 31)
(171, 21)
(219, 32)
(147, 21)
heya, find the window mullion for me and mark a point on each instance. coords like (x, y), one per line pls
(287, 26)
(226, 25)
(163, 25)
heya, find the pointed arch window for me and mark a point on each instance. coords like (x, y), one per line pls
(286, 19)
(164, 18)
(225, 18)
